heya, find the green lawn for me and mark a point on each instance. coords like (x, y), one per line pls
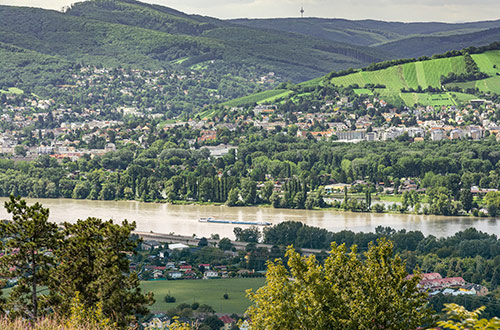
(208, 292)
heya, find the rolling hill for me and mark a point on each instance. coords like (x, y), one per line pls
(37, 46)
(134, 34)
(408, 83)
(366, 32)
(429, 45)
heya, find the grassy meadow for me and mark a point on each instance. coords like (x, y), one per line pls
(208, 292)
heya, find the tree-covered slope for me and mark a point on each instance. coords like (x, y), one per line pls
(79, 39)
(363, 32)
(134, 34)
(429, 45)
(30, 68)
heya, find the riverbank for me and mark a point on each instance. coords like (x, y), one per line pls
(183, 219)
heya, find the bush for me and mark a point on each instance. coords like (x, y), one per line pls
(378, 208)
(169, 299)
(226, 296)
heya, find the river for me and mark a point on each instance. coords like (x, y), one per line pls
(183, 219)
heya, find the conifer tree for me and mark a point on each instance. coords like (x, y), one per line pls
(93, 264)
(29, 241)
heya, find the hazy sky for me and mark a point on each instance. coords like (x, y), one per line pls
(394, 10)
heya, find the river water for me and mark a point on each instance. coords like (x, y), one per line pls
(183, 219)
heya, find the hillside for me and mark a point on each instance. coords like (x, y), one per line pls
(129, 33)
(366, 32)
(429, 45)
(416, 82)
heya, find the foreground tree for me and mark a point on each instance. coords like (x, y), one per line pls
(93, 265)
(347, 292)
(29, 241)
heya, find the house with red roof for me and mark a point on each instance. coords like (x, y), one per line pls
(228, 322)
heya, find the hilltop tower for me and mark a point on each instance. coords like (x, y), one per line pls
(302, 11)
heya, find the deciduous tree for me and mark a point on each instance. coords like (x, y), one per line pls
(347, 292)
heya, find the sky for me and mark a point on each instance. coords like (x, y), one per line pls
(389, 10)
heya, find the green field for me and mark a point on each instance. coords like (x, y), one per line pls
(427, 74)
(489, 62)
(408, 76)
(12, 90)
(208, 292)
(363, 91)
(270, 95)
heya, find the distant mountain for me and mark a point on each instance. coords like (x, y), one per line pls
(430, 45)
(368, 32)
(130, 33)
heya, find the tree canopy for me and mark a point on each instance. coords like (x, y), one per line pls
(349, 291)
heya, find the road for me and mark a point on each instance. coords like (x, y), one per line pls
(190, 240)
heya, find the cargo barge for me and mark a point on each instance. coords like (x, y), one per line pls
(235, 222)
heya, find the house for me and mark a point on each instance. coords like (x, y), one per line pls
(332, 188)
(157, 274)
(477, 289)
(351, 135)
(211, 274)
(185, 268)
(437, 134)
(205, 266)
(158, 321)
(178, 246)
(148, 245)
(228, 322)
(174, 275)
(442, 283)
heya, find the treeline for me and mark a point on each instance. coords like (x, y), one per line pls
(470, 254)
(292, 168)
(419, 89)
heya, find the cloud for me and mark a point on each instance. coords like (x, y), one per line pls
(393, 10)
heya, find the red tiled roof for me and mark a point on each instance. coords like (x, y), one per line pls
(226, 319)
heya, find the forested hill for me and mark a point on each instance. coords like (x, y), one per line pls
(129, 33)
(416, 46)
(367, 32)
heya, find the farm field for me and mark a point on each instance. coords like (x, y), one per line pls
(208, 292)
(408, 76)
